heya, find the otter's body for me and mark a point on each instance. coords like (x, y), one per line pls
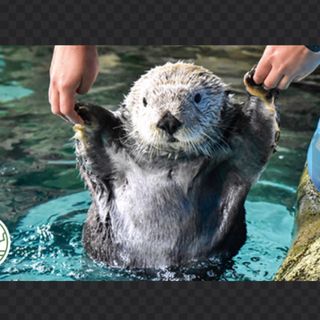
(171, 189)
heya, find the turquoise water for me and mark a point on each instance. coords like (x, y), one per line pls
(47, 245)
(42, 199)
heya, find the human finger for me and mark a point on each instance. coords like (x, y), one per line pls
(273, 79)
(284, 83)
(67, 106)
(262, 71)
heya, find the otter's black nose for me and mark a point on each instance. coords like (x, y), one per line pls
(169, 123)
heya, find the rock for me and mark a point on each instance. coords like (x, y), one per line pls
(303, 259)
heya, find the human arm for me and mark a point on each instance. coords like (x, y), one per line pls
(280, 65)
(73, 70)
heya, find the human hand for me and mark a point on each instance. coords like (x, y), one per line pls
(73, 70)
(280, 65)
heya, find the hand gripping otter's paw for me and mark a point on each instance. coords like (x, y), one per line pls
(86, 114)
(98, 122)
(257, 90)
(266, 96)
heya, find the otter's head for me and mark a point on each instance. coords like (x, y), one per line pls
(177, 108)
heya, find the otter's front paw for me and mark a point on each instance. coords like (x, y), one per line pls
(92, 116)
(89, 113)
(257, 90)
(267, 98)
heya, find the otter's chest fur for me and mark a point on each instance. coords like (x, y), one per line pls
(158, 216)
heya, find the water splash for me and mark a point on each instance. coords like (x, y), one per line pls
(46, 245)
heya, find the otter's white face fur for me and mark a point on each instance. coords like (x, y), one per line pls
(176, 108)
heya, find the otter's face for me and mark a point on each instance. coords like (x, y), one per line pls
(177, 107)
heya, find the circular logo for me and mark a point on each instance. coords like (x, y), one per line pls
(4, 242)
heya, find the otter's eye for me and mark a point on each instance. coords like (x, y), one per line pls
(197, 98)
(144, 102)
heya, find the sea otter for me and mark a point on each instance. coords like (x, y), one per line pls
(170, 170)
